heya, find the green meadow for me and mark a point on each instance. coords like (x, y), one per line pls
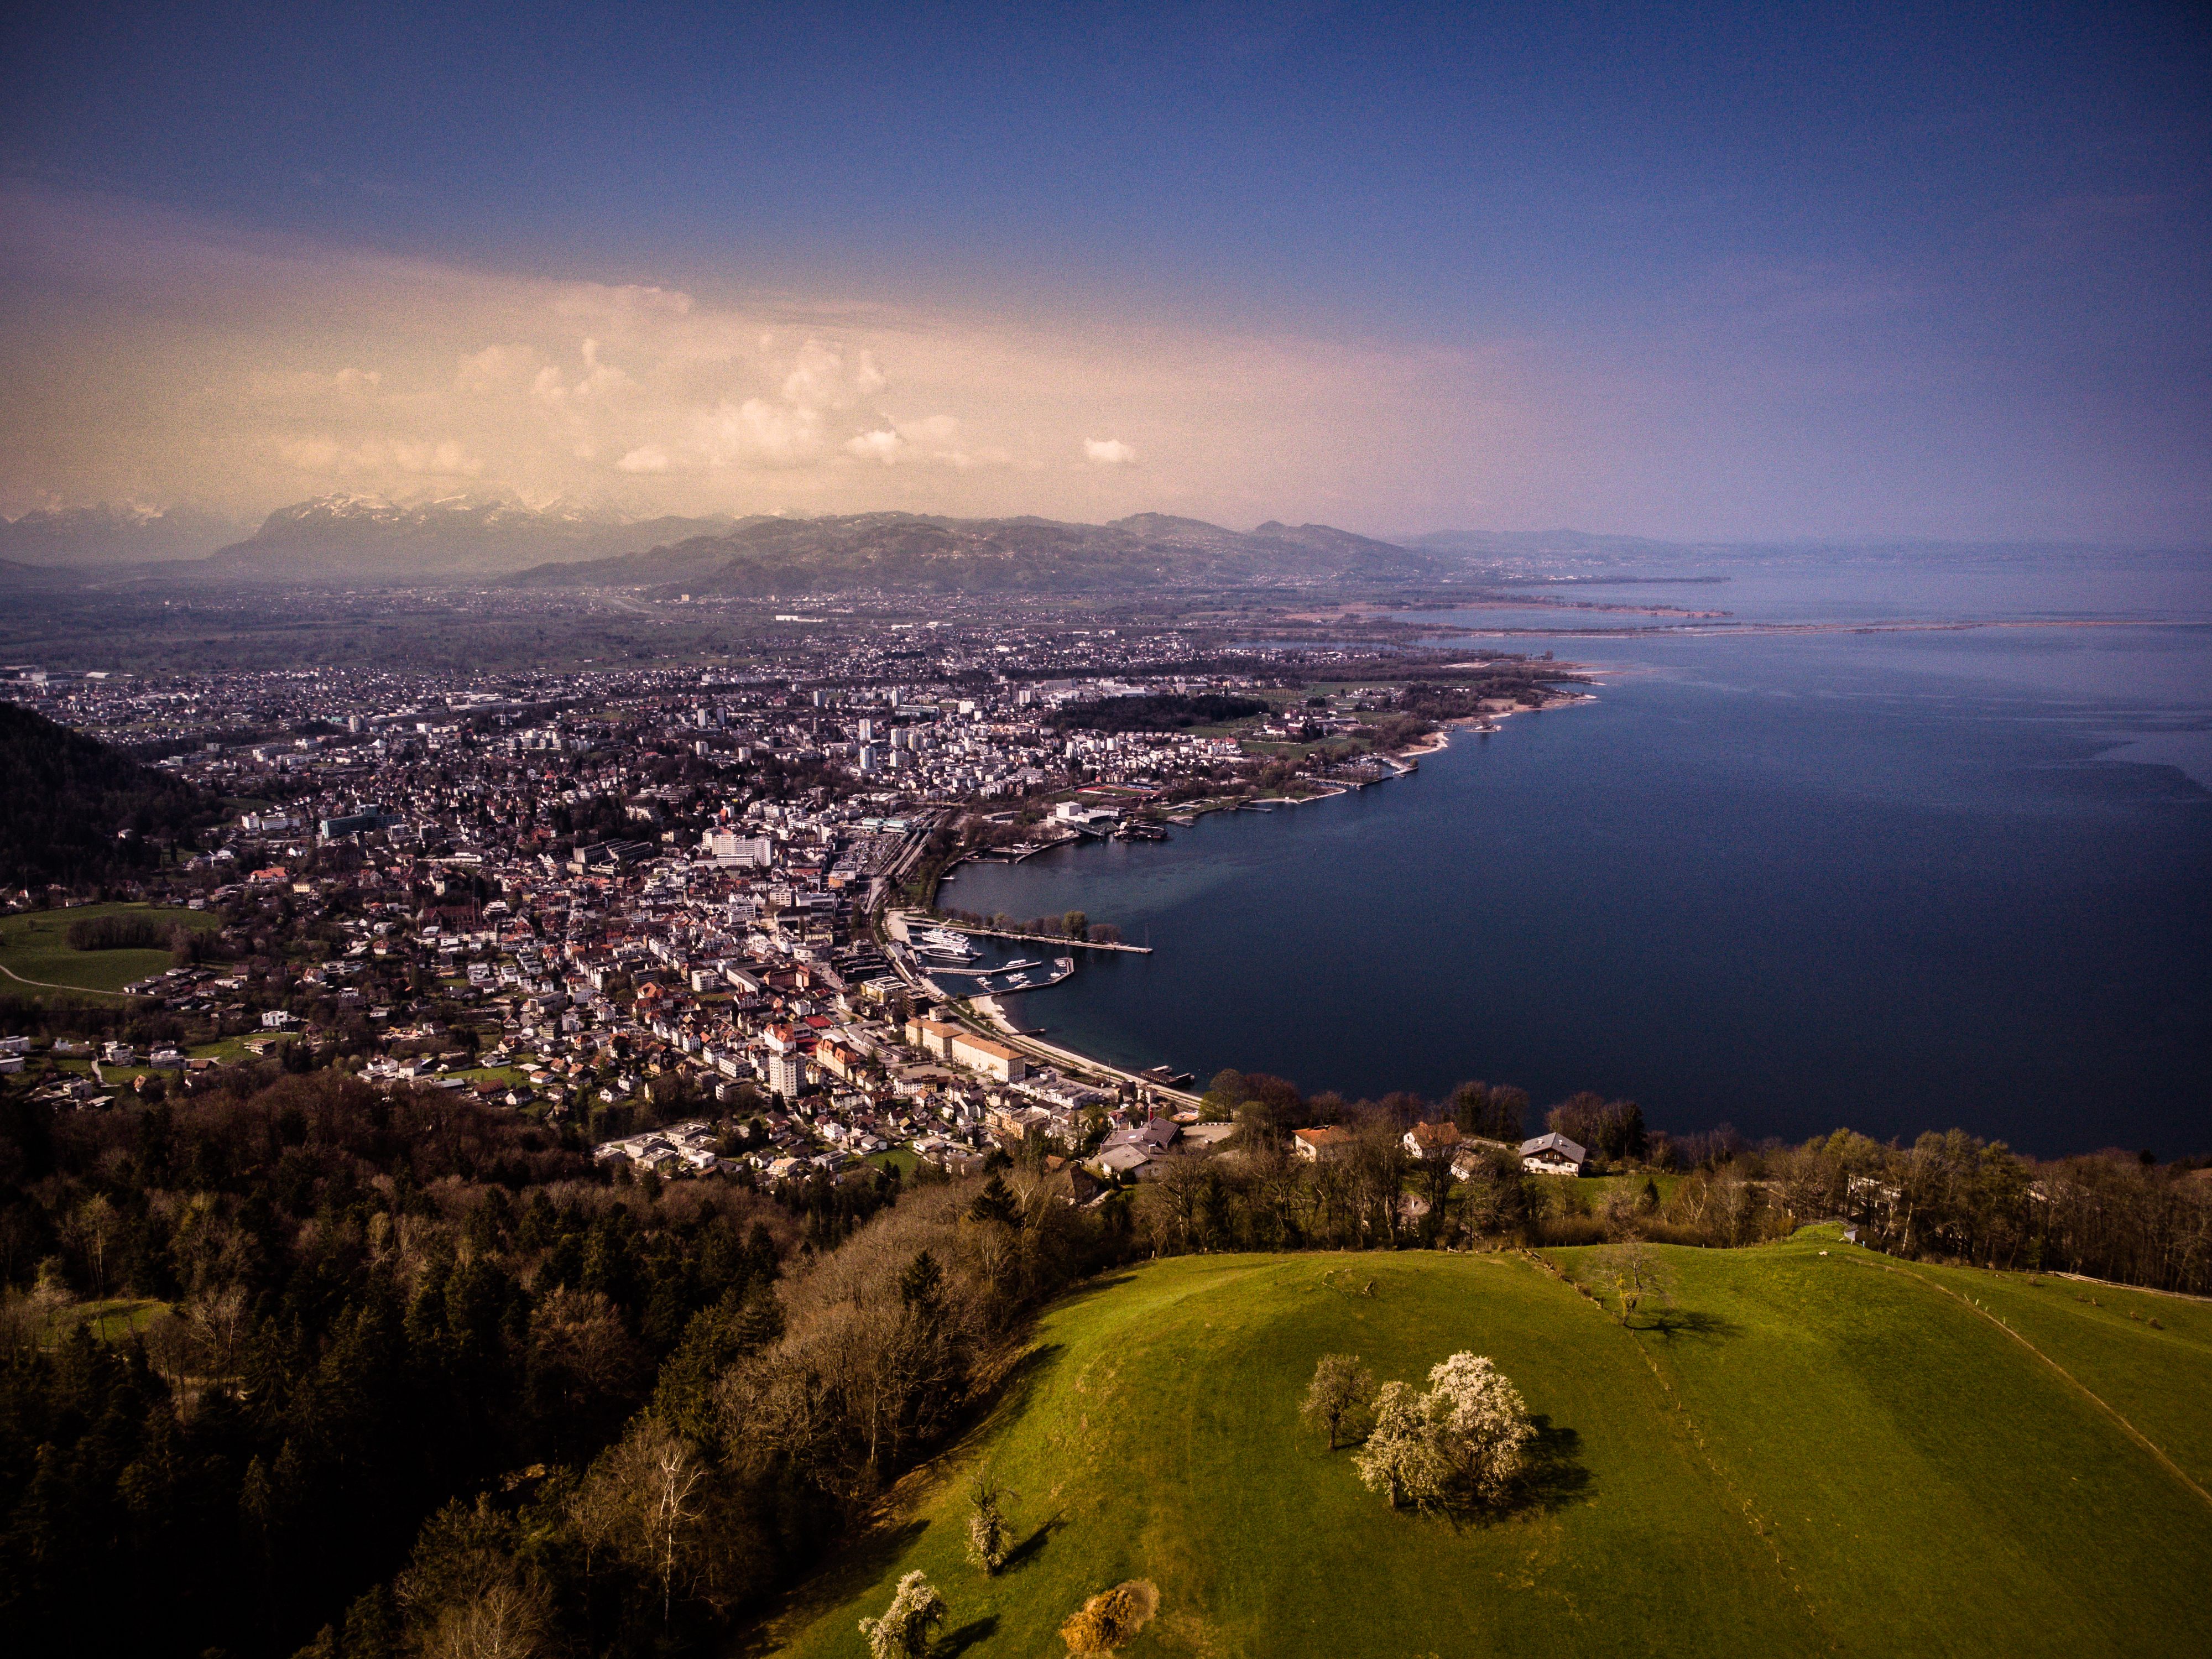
(35, 946)
(1800, 1453)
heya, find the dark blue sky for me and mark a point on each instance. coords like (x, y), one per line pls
(1895, 242)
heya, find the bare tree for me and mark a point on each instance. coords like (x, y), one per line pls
(1634, 1271)
(641, 1502)
(505, 1622)
(218, 1318)
(1338, 1398)
(88, 1228)
(580, 1348)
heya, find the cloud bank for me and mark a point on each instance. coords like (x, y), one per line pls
(152, 357)
(158, 358)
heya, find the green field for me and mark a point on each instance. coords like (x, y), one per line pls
(35, 946)
(1804, 1453)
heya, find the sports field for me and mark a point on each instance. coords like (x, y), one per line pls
(1802, 1454)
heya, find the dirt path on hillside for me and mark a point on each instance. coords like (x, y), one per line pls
(2076, 1382)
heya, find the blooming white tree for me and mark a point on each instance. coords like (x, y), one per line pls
(1482, 1423)
(1464, 1442)
(1401, 1457)
(903, 1632)
(990, 1539)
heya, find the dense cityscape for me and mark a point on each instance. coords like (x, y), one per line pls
(687, 914)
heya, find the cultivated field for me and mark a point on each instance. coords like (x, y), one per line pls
(1803, 1453)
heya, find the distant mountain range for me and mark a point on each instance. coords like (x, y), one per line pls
(370, 539)
(113, 535)
(911, 552)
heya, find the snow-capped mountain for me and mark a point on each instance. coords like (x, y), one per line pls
(113, 533)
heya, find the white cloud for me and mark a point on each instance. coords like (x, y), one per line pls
(757, 433)
(445, 459)
(881, 445)
(495, 368)
(1107, 451)
(831, 377)
(646, 458)
(934, 439)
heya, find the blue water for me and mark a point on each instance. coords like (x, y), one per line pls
(1897, 880)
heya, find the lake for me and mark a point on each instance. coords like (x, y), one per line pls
(1896, 881)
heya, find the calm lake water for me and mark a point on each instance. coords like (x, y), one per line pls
(1897, 881)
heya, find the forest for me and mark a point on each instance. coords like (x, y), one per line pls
(77, 811)
(1164, 711)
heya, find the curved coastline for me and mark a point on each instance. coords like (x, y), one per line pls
(999, 1023)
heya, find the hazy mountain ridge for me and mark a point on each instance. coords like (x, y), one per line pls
(370, 538)
(362, 537)
(110, 534)
(927, 553)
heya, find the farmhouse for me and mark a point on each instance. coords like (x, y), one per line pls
(1313, 1144)
(1553, 1154)
(1427, 1140)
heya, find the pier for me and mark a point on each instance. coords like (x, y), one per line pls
(1043, 939)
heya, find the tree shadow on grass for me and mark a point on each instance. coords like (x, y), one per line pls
(1010, 1395)
(1026, 1552)
(956, 1641)
(1553, 1476)
(1671, 1323)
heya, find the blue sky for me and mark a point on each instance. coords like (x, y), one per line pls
(1681, 270)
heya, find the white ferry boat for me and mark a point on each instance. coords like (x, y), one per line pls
(944, 942)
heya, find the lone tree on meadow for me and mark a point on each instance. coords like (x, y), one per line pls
(990, 1539)
(1338, 1401)
(1636, 1274)
(1461, 1445)
(903, 1632)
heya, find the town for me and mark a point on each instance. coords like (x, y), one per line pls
(689, 914)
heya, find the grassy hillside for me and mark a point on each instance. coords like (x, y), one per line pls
(1805, 1453)
(35, 946)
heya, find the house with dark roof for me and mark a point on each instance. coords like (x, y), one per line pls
(1553, 1154)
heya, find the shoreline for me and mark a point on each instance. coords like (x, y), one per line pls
(1750, 630)
(1440, 739)
(993, 1014)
